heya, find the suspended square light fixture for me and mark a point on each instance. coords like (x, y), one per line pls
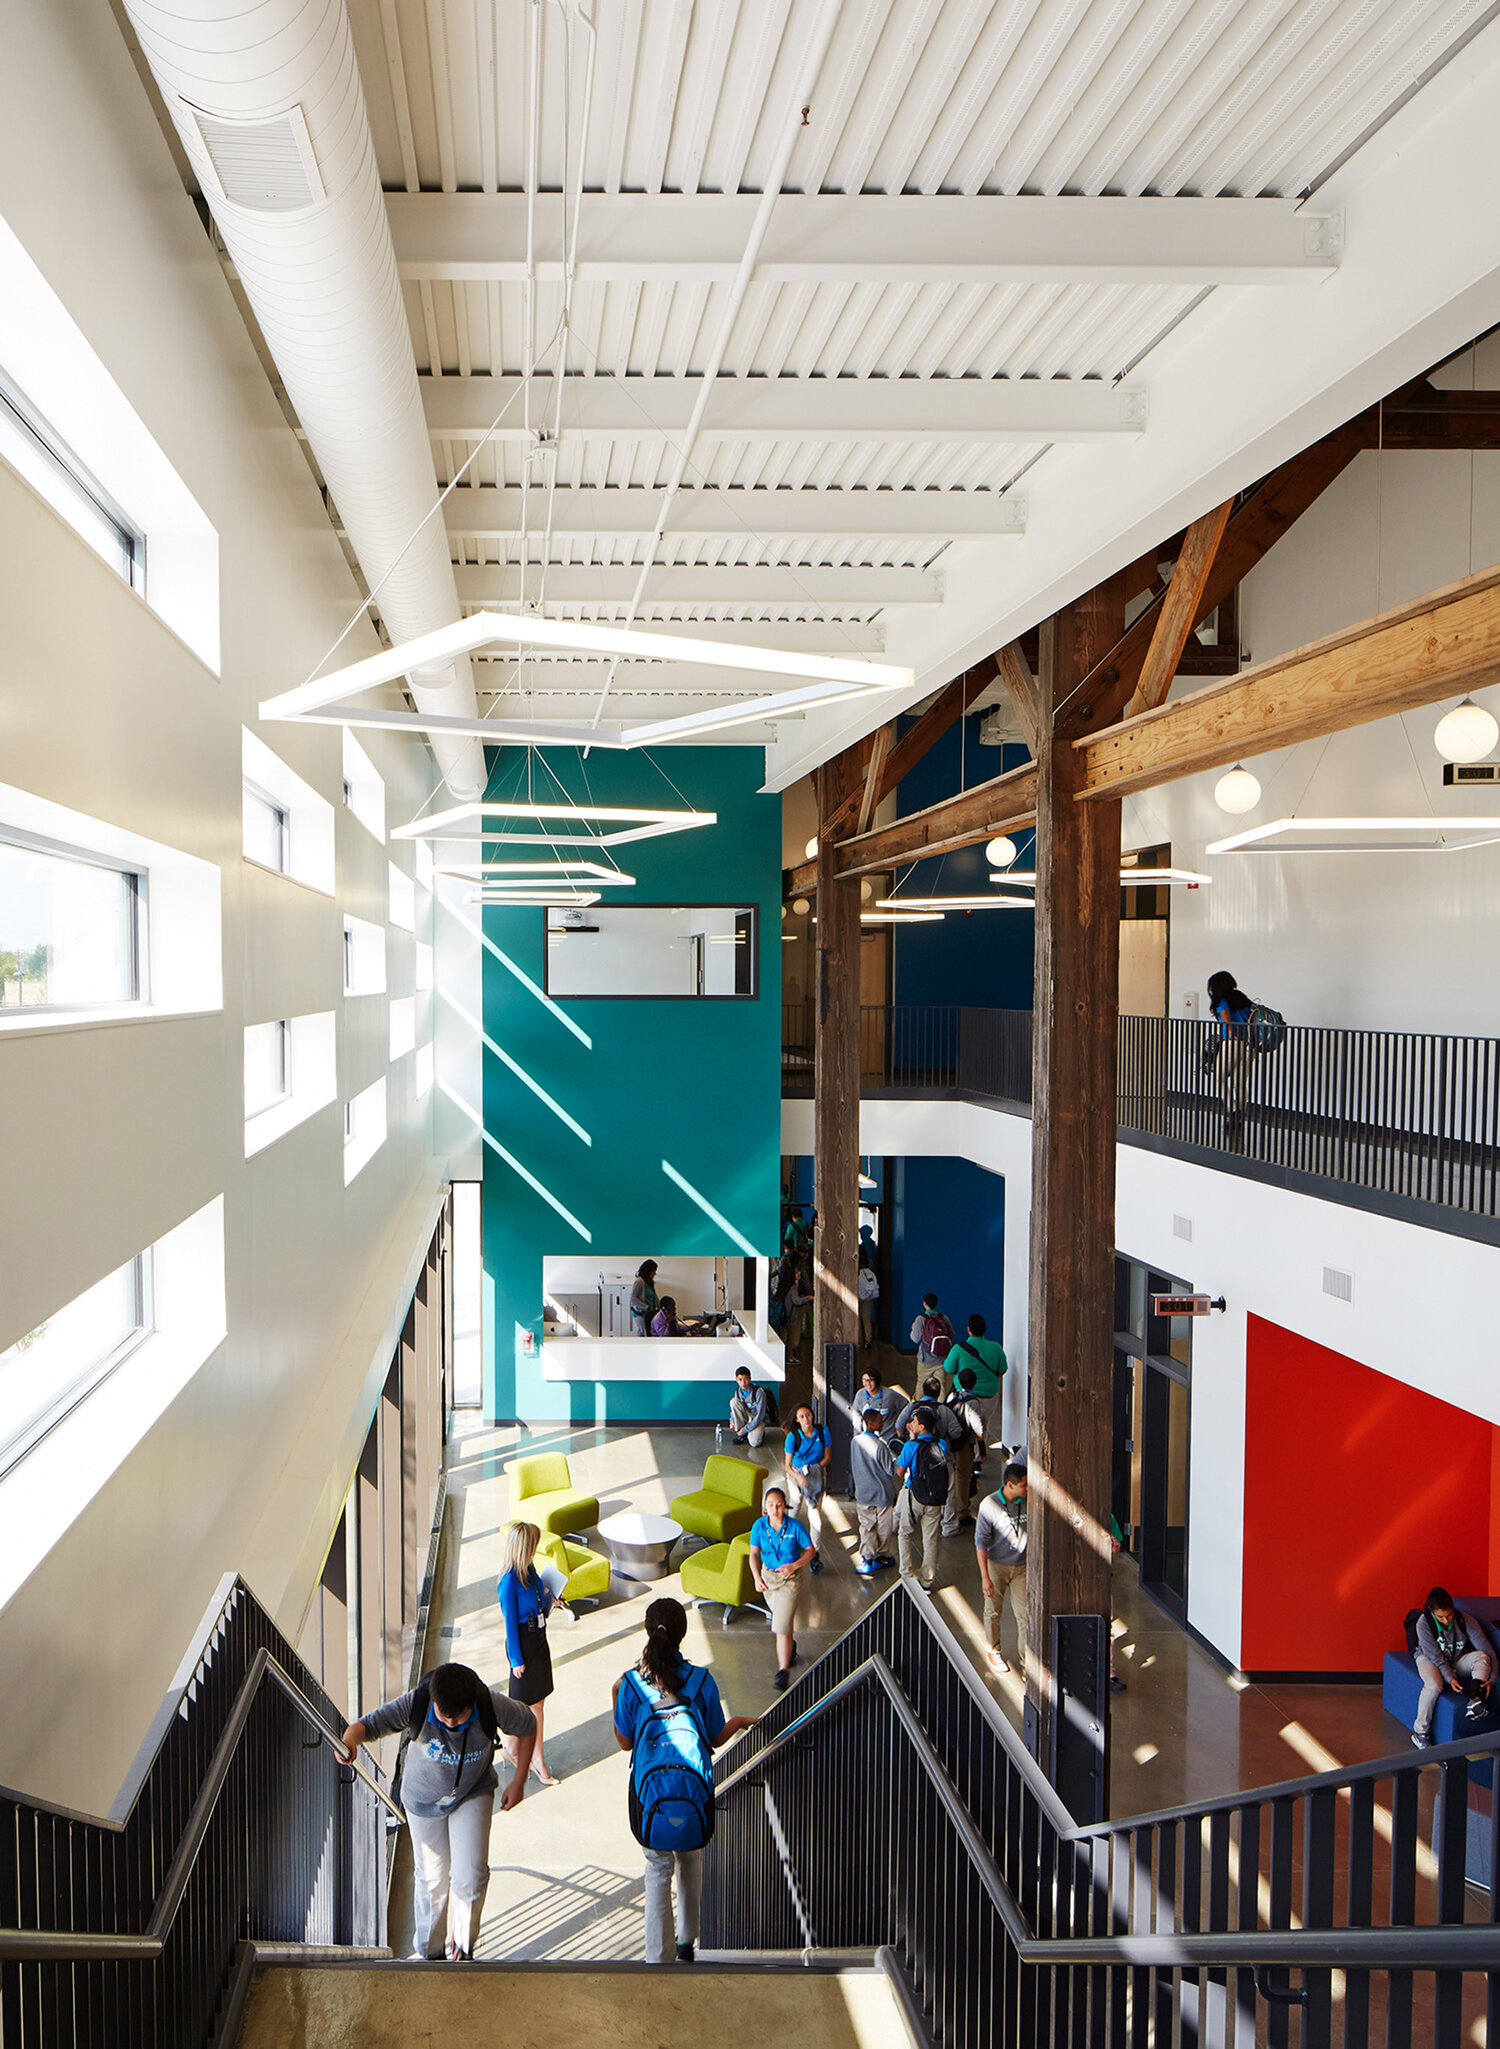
(529, 874)
(825, 679)
(612, 825)
(1430, 835)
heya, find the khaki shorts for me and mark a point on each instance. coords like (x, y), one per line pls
(782, 1602)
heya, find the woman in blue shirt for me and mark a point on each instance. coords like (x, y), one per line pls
(663, 1674)
(779, 1553)
(809, 1448)
(525, 1604)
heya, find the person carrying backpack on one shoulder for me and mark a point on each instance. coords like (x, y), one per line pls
(919, 1506)
(668, 1715)
(448, 1787)
(1246, 1030)
(932, 1334)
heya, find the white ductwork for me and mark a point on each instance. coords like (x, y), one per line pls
(266, 96)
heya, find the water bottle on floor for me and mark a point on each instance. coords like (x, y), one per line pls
(718, 1437)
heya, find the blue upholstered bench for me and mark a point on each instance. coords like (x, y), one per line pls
(1402, 1689)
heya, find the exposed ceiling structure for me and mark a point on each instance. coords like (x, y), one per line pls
(1040, 284)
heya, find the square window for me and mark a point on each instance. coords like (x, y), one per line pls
(71, 930)
(55, 1366)
(268, 1065)
(268, 838)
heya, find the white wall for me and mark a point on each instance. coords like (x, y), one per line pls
(116, 1133)
(1422, 1312)
(1400, 942)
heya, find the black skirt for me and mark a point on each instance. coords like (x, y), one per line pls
(535, 1682)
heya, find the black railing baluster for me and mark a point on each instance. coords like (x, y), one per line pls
(1405, 1113)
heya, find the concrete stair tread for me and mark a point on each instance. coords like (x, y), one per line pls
(410, 2005)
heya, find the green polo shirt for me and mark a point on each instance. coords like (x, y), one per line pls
(985, 1357)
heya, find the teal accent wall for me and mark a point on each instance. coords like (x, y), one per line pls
(694, 1083)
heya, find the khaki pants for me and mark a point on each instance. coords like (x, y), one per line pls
(917, 1528)
(867, 1323)
(739, 1419)
(1009, 1582)
(875, 1526)
(988, 1406)
(960, 1471)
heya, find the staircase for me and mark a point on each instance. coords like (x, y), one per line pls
(889, 1866)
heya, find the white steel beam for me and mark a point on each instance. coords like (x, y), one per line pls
(660, 238)
(493, 512)
(956, 411)
(782, 589)
(805, 637)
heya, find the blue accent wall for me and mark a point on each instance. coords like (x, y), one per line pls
(977, 957)
(696, 1084)
(947, 1229)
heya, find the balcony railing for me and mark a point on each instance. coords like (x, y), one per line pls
(1407, 1114)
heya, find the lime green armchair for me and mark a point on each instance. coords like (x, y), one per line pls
(586, 1572)
(722, 1573)
(542, 1492)
(725, 1505)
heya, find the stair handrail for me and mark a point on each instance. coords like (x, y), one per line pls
(61, 1945)
(1448, 1946)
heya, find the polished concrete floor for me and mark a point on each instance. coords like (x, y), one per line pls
(566, 1872)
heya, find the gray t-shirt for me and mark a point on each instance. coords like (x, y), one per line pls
(873, 1465)
(445, 1767)
(1000, 1530)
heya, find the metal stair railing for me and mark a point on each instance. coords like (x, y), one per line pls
(232, 1827)
(909, 1815)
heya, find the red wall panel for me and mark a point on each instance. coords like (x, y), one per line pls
(1360, 1494)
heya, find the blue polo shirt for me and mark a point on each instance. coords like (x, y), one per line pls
(907, 1460)
(779, 1547)
(694, 1685)
(807, 1451)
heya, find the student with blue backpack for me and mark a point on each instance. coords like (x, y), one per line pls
(668, 1715)
(1246, 1030)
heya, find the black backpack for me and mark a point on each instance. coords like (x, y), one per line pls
(929, 1473)
(1413, 1617)
(484, 1705)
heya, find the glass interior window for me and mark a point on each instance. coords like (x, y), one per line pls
(53, 1367)
(693, 950)
(268, 1065)
(69, 931)
(267, 838)
(32, 449)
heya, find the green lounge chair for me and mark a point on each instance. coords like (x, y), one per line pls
(725, 1505)
(542, 1492)
(587, 1571)
(722, 1573)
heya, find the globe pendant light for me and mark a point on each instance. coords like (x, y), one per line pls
(1237, 791)
(1467, 733)
(1001, 852)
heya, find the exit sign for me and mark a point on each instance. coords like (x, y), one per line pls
(1185, 1305)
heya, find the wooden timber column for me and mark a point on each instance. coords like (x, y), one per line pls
(836, 1083)
(1073, 1149)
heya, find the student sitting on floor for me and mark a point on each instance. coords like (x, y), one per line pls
(750, 1413)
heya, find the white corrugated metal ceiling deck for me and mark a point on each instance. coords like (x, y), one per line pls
(798, 493)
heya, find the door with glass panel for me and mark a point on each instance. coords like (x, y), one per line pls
(1153, 1386)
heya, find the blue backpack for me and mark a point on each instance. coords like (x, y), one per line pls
(671, 1771)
